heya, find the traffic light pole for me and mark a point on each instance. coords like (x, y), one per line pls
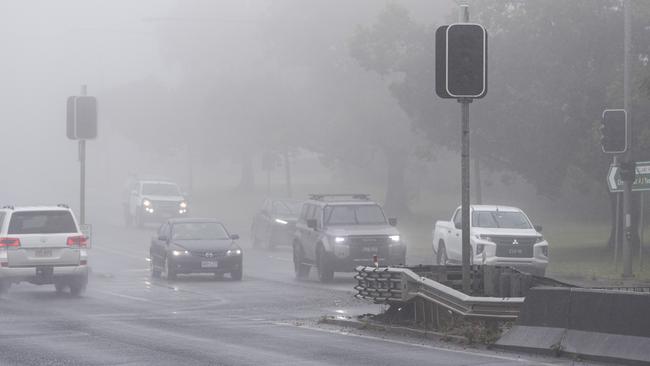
(82, 177)
(627, 184)
(465, 214)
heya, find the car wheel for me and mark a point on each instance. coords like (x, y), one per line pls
(59, 286)
(301, 269)
(325, 271)
(170, 273)
(78, 285)
(237, 275)
(441, 258)
(155, 272)
(4, 286)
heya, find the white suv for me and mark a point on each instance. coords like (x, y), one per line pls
(42, 245)
(153, 201)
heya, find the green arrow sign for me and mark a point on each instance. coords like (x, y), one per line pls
(641, 183)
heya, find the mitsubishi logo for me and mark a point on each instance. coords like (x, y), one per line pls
(515, 242)
(209, 255)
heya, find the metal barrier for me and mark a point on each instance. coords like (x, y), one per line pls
(392, 285)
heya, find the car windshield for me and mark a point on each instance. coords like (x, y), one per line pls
(287, 208)
(199, 231)
(42, 222)
(354, 215)
(160, 189)
(500, 219)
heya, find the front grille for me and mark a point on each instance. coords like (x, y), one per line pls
(209, 254)
(165, 205)
(514, 246)
(367, 246)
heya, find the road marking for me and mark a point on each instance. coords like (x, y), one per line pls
(402, 343)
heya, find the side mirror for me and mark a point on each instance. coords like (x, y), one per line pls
(538, 228)
(458, 225)
(163, 238)
(312, 224)
(234, 236)
(392, 221)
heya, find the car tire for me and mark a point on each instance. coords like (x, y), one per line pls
(170, 273)
(4, 286)
(78, 285)
(441, 257)
(60, 286)
(155, 272)
(237, 275)
(301, 269)
(324, 267)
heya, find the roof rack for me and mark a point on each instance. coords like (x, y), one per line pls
(63, 205)
(354, 196)
(11, 207)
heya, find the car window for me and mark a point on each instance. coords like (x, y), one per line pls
(500, 219)
(42, 222)
(354, 215)
(160, 189)
(2, 219)
(458, 218)
(199, 231)
(162, 229)
(287, 208)
(303, 212)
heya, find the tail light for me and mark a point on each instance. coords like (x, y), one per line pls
(9, 242)
(375, 260)
(78, 241)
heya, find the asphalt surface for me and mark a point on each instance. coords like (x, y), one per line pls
(269, 318)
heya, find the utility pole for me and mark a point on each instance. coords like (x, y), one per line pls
(627, 184)
(82, 178)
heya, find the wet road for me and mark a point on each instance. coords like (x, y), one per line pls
(128, 318)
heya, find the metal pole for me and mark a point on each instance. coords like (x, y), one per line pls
(464, 168)
(642, 223)
(617, 246)
(82, 178)
(627, 185)
(465, 217)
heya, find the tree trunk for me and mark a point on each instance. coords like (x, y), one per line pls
(247, 182)
(396, 196)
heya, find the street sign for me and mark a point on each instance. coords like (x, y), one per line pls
(466, 60)
(641, 183)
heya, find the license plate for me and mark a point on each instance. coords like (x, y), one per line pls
(209, 264)
(370, 249)
(43, 253)
(515, 251)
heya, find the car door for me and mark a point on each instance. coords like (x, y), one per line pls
(315, 234)
(454, 239)
(159, 247)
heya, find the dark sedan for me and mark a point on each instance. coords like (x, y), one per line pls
(185, 245)
(275, 223)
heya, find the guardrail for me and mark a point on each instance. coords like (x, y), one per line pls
(392, 285)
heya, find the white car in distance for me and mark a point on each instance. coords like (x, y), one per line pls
(499, 235)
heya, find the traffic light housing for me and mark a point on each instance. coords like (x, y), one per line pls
(466, 60)
(613, 131)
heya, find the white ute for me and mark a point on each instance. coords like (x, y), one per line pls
(499, 235)
(42, 245)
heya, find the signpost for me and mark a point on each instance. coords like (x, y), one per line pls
(81, 124)
(641, 181)
(461, 74)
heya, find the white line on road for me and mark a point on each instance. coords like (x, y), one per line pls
(464, 352)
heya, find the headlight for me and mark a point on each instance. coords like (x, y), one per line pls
(394, 238)
(233, 251)
(485, 237)
(177, 253)
(339, 239)
(545, 250)
(281, 222)
(146, 203)
(183, 204)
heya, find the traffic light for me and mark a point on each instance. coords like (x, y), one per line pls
(613, 131)
(466, 60)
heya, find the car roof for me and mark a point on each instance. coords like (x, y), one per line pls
(187, 220)
(494, 208)
(158, 182)
(36, 208)
(343, 203)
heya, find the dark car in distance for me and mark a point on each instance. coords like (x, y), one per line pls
(191, 245)
(275, 223)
